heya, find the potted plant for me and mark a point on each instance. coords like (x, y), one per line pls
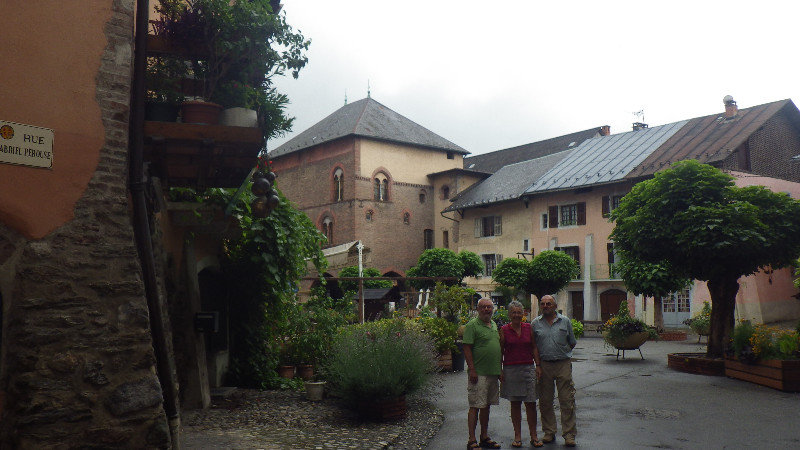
(765, 355)
(240, 41)
(163, 94)
(624, 332)
(444, 334)
(701, 323)
(238, 100)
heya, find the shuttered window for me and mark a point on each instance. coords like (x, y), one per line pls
(488, 226)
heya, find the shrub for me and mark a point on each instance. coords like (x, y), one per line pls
(442, 331)
(500, 316)
(577, 328)
(380, 360)
(451, 301)
(701, 323)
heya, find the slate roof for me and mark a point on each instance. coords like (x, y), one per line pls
(605, 159)
(712, 138)
(508, 183)
(370, 119)
(491, 162)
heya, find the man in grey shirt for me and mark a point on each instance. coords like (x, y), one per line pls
(555, 339)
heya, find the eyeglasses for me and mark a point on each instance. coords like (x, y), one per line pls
(545, 304)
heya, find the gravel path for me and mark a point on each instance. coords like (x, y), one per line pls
(252, 419)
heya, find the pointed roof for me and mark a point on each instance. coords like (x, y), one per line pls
(370, 119)
(491, 162)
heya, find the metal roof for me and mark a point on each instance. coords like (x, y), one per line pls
(712, 138)
(604, 159)
(366, 118)
(508, 183)
(493, 161)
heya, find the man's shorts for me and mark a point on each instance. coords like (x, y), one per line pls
(485, 392)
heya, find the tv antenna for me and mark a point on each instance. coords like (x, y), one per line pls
(639, 115)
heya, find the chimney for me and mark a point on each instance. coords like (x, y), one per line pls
(639, 126)
(605, 130)
(730, 107)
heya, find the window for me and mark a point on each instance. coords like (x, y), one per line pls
(406, 218)
(571, 250)
(610, 203)
(525, 246)
(422, 196)
(381, 188)
(445, 192)
(445, 239)
(338, 186)
(488, 226)
(566, 215)
(450, 155)
(427, 238)
(490, 262)
(369, 214)
(544, 221)
(327, 229)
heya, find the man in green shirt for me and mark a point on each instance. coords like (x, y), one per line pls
(483, 358)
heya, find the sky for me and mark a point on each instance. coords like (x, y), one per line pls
(489, 75)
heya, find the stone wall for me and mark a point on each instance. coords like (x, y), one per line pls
(78, 365)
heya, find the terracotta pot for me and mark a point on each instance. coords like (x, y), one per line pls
(286, 371)
(305, 371)
(195, 111)
(393, 409)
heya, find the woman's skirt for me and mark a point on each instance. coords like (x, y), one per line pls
(519, 383)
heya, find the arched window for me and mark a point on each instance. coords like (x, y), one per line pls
(422, 195)
(338, 185)
(368, 215)
(381, 188)
(406, 218)
(445, 192)
(327, 229)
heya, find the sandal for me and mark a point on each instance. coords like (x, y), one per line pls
(537, 443)
(516, 444)
(473, 444)
(487, 442)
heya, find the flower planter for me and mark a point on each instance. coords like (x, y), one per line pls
(383, 409)
(696, 363)
(238, 117)
(778, 374)
(305, 371)
(445, 361)
(195, 111)
(315, 390)
(286, 371)
(631, 342)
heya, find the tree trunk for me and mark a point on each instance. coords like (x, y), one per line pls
(658, 313)
(723, 303)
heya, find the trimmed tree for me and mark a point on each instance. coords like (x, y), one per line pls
(547, 273)
(352, 271)
(695, 219)
(436, 262)
(473, 265)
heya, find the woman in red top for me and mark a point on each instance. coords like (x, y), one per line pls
(518, 346)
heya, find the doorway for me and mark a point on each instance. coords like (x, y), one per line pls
(576, 298)
(676, 308)
(609, 303)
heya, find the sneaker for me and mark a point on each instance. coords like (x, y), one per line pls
(569, 441)
(548, 438)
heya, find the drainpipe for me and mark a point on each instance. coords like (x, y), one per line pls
(141, 224)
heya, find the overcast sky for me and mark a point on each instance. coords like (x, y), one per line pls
(489, 75)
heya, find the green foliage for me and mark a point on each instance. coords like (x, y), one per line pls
(753, 342)
(436, 262)
(701, 323)
(380, 360)
(577, 328)
(473, 266)
(262, 267)
(442, 331)
(451, 301)
(693, 218)
(352, 271)
(547, 273)
(500, 316)
(163, 79)
(649, 279)
(622, 325)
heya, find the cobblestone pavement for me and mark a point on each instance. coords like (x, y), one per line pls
(252, 419)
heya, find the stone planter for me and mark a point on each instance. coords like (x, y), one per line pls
(778, 374)
(315, 390)
(696, 363)
(393, 409)
(238, 117)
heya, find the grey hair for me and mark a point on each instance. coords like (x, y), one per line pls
(515, 304)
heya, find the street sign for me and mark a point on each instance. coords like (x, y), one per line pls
(26, 145)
